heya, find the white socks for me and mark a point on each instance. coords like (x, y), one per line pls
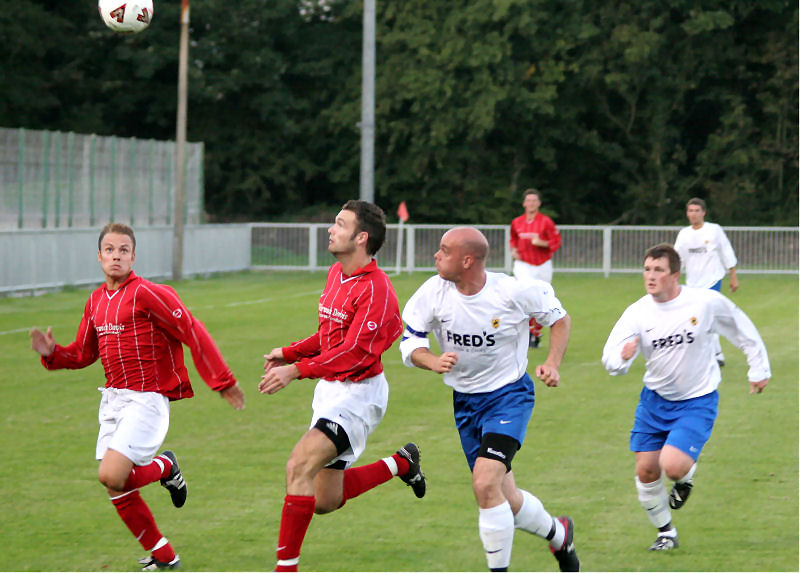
(391, 464)
(653, 497)
(496, 528)
(533, 518)
(689, 475)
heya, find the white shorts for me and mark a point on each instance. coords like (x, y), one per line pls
(527, 271)
(132, 423)
(358, 407)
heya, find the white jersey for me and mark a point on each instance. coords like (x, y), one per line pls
(706, 254)
(488, 331)
(677, 342)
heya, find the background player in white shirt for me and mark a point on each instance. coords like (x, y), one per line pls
(672, 326)
(480, 320)
(706, 255)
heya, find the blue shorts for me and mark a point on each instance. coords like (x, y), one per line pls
(717, 286)
(506, 411)
(683, 424)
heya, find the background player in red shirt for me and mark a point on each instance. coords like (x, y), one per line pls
(534, 239)
(359, 319)
(136, 328)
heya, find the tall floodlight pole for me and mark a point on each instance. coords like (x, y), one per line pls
(180, 147)
(367, 188)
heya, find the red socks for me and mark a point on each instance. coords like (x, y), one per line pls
(403, 465)
(364, 478)
(295, 519)
(299, 509)
(143, 475)
(137, 516)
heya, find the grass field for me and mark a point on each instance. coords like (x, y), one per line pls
(743, 514)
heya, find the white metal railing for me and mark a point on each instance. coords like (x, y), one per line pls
(586, 248)
(39, 259)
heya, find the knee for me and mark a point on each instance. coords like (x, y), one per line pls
(110, 480)
(487, 492)
(674, 471)
(648, 474)
(323, 506)
(297, 469)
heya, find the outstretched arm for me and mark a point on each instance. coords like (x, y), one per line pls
(43, 343)
(82, 352)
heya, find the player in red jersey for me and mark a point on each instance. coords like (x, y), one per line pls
(534, 239)
(359, 319)
(136, 328)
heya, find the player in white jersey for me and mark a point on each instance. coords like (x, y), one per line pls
(672, 326)
(480, 320)
(706, 255)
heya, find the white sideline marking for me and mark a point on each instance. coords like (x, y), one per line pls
(263, 300)
(16, 330)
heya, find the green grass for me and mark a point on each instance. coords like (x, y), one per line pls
(743, 514)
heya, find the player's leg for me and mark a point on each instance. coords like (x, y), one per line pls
(651, 426)
(689, 434)
(119, 474)
(680, 467)
(351, 412)
(495, 518)
(652, 496)
(651, 490)
(492, 427)
(405, 463)
(133, 426)
(495, 524)
(344, 416)
(311, 453)
(531, 516)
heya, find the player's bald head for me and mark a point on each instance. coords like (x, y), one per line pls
(470, 241)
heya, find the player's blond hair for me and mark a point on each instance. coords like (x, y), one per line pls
(118, 228)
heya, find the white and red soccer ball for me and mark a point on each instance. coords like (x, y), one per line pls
(126, 16)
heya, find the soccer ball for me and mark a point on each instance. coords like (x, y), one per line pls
(126, 16)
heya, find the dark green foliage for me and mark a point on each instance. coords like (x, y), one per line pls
(619, 112)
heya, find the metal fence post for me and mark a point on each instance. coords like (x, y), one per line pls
(606, 251)
(312, 247)
(21, 178)
(411, 249)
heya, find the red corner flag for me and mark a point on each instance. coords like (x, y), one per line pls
(402, 212)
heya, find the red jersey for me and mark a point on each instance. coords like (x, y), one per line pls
(359, 319)
(522, 231)
(137, 331)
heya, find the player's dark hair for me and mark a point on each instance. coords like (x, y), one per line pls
(665, 250)
(118, 228)
(697, 201)
(532, 191)
(371, 220)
